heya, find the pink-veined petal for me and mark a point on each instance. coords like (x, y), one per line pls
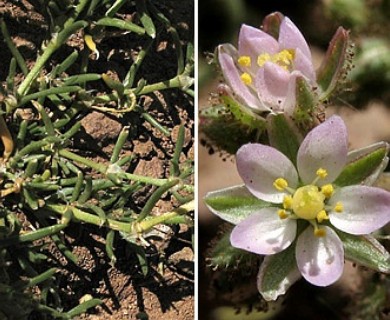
(291, 38)
(365, 209)
(264, 232)
(272, 83)
(253, 42)
(305, 65)
(325, 147)
(320, 259)
(232, 77)
(259, 166)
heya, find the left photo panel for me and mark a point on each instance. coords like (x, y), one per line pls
(97, 187)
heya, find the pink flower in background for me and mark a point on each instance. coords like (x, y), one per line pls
(262, 71)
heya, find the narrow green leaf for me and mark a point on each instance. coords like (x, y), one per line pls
(234, 204)
(283, 136)
(121, 24)
(83, 307)
(366, 251)
(363, 164)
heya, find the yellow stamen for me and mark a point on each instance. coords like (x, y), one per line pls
(262, 59)
(308, 201)
(327, 190)
(339, 207)
(287, 202)
(280, 184)
(322, 173)
(322, 215)
(244, 61)
(319, 232)
(284, 58)
(282, 214)
(246, 78)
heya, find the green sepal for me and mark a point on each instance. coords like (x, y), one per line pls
(241, 113)
(306, 103)
(366, 251)
(283, 136)
(277, 273)
(234, 204)
(332, 68)
(224, 255)
(224, 131)
(271, 24)
(364, 165)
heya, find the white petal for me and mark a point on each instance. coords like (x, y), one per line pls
(232, 76)
(325, 147)
(259, 166)
(291, 38)
(271, 83)
(320, 259)
(304, 65)
(253, 42)
(365, 209)
(264, 232)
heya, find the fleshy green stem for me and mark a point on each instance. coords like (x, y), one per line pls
(75, 157)
(149, 223)
(53, 45)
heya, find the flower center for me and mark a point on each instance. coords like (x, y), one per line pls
(283, 58)
(307, 202)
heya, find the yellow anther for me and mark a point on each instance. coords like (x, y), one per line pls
(319, 232)
(280, 184)
(339, 207)
(262, 59)
(287, 202)
(322, 173)
(282, 214)
(327, 190)
(246, 78)
(322, 215)
(244, 61)
(284, 57)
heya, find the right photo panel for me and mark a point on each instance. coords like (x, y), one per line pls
(293, 175)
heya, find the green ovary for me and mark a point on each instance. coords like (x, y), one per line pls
(307, 202)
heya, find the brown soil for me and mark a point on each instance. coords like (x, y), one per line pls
(168, 289)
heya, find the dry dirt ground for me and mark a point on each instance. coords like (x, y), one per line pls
(168, 290)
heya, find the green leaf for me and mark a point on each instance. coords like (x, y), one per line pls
(366, 251)
(283, 136)
(364, 165)
(277, 273)
(234, 204)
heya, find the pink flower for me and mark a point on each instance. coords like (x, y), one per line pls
(262, 72)
(305, 203)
